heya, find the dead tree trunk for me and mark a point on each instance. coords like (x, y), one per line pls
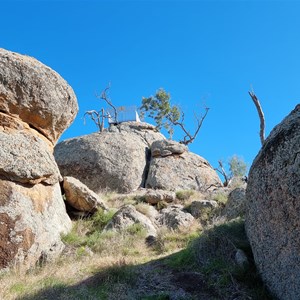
(261, 116)
(102, 120)
(222, 171)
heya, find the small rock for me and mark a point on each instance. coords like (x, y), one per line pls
(167, 147)
(155, 196)
(127, 216)
(174, 217)
(241, 259)
(79, 196)
(236, 204)
(200, 207)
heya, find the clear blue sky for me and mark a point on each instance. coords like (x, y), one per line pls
(202, 52)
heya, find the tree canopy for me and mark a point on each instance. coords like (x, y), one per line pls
(168, 116)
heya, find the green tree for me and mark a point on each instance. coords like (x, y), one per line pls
(237, 166)
(168, 116)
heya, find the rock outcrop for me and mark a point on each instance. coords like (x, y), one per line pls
(25, 156)
(80, 197)
(36, 106)
(111, 160)
(173, 168)
(36, 94)
(32, 218)
(273, 208)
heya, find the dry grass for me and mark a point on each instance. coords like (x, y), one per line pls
(90, 252)
(101, 264)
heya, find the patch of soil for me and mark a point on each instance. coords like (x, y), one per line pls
(191, 282)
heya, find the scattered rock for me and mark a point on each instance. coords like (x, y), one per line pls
(79, 196)
(174, 217)
(180, 171)
(241, 259)
(199, 208)
(273, 208)
(126, 216)
(35, 94)
(155, 196)
(116, 161)
(236, 204)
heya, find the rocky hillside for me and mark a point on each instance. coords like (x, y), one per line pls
(134, 196)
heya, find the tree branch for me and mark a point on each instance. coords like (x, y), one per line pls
(222, 171)
(96, 117)
(188, 138)
(261, 116)
(104, 97)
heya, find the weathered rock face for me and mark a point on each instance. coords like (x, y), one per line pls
(126, 216)
(36, 105)
(35, 94)
(155, 196)
(79, 196)
(167, 147)
(175, 217)
(24, 155)
(173, 168)
(273, 208)
(236, 204)
(31, 221)
(111, 160)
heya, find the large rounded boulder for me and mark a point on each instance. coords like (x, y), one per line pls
(36, 106)
(35, 94)
(173, 168)
(116, 159)
(273, 208)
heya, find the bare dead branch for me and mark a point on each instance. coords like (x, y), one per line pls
(96, 117)
(261, 116)
(222, 171)
(189, 138)
(105, 97)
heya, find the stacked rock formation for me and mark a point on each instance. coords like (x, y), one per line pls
(173, 167)
(273, 208)
(116, 160)
(36, 106)
(132, 155)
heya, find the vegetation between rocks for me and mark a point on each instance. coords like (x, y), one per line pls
(188, 263)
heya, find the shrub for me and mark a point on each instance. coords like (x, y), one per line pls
(215, 254)
(184, 194)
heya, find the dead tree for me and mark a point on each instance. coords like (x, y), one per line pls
(104, 96)
(189, 138)
(261, 116)
(99, 116)
(222, 171)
